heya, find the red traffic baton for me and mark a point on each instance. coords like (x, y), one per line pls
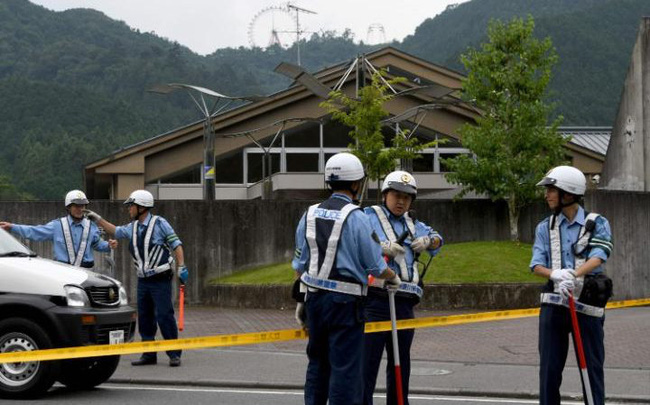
(582, 363)
(181, 307)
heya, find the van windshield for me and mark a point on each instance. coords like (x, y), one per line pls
(10, 247)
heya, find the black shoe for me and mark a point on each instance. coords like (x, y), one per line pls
(144, 361)
(174, 362)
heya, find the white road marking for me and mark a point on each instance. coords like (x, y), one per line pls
(430, 398)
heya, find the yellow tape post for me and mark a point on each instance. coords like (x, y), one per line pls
(271, 336)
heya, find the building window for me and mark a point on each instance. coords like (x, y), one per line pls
(229, 169)
(191, 175)
(304, 136)
(302, 162)
(424, 163)
(255, 165)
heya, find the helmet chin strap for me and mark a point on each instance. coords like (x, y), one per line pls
(561, 204)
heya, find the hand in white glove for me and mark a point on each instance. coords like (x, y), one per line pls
(393, 283)
(391, 249)
(301, 315)
(559, 275)
(566, 288)
(420, 244)
(92, 215)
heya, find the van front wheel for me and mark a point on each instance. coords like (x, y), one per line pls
(25, 379)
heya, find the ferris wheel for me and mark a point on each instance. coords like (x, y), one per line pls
(273, 25)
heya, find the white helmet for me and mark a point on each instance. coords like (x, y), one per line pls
(142, 198)
(343, 167)
(76, 197)
(566, 178)
(400, 181)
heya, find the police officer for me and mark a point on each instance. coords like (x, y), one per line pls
(73, 237)
(570, 249)
(151, 243)
(390, 221)
(335, 254)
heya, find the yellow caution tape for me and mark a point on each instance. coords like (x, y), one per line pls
(270, 336)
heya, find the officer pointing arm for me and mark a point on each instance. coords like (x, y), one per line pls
(74, 237)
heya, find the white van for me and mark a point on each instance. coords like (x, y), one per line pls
(46, 304)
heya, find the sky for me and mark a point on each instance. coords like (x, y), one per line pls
(207, 25)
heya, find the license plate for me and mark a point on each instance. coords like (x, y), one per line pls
(115, 337)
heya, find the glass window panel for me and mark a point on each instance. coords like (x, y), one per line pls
(423, 163)
(191, 175)
(305, 136)
(302, 162)
(229, 168)
(255, 165)
(336, 134)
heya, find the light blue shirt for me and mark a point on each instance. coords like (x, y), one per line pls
(163, 233)
(569, 232)
(399, 226)
(53, 231)
(358, 255)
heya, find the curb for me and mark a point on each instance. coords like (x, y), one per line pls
(415, 391)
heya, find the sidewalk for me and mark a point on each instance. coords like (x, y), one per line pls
(493, 359)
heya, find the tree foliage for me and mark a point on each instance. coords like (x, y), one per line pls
(364, 114)
(513, 143)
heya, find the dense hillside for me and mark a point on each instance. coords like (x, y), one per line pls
(73, 84)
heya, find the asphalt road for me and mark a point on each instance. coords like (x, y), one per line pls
(171, 395)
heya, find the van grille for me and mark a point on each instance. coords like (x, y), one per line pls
(104, 296)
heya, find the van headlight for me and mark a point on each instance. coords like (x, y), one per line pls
(124, 299)
(76, 296)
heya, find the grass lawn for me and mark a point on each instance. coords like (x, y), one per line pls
(470, 262)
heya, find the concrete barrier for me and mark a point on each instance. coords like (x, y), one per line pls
(491, 296)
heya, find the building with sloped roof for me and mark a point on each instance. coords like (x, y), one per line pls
(295, 137)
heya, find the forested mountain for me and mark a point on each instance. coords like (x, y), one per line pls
(73, 83)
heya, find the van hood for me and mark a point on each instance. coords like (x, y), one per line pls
(35, 275)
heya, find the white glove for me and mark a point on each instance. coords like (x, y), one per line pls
(391, 249)
(566, 287)
(92, 215)
(301, 315)
(393, 283)
(420, 244)
(559, 275)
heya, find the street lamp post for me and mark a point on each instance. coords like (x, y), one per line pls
(208, 171)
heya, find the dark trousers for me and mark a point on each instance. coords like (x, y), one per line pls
(554, 328)
(377, 309)
(155, 308)
(335, 349)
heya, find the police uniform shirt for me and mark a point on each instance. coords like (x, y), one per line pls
(357, 256)
(53, 231)
(399, 226)
(569, 232)
(163, 233)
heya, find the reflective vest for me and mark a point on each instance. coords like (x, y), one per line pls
(409, 283)
(149, 259)
(581, 246)
(323, 228)
(75, 257)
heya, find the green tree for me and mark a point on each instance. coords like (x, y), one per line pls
(364, 114)
(512, 144)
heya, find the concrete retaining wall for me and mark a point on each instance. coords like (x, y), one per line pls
(436, 296)
(225, 236)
